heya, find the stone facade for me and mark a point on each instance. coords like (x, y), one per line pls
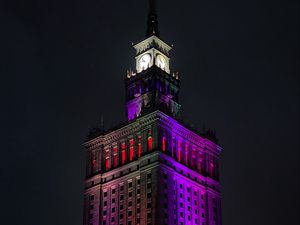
(173, 180)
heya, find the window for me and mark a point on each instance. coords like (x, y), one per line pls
(123, 146)
(130, 194)
(211, 169)
(91, 197)
(149, 195)
(186, 154)
(105, 194)
(148, 175)
(121, 197)
(121, 207)
(113, 191)
(105, 203)
(121, 216)
(129, 184)
(107, 163)
(115, 160)
(139, 146)
(149, 205)
(163, 144)
(129, 213)
(150, 143)
(131, 149)
(179, 151)
(130, 203)
(149, 185)
(113, 209)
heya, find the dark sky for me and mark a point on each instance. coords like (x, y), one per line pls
(62, 65)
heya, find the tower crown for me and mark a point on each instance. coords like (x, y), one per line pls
(152, 86)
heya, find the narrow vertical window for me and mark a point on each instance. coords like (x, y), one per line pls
(211, 169)
(200, 162)
(123, 152)
(163, 144)
(186, 154)
(107, 163)
(131, 149)
(193, 163)
(150, 141)
(115, 160)
(173, 147)
(139, 146)
(93, 162)
(179, 151)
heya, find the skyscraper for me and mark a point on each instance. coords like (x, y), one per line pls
(153, 169)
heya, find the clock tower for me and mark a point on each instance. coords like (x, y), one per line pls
(153, 169)
(152, 85)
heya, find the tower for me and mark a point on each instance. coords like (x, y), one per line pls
(153, 169)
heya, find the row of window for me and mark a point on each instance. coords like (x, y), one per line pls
(135, 151)
(129, 213)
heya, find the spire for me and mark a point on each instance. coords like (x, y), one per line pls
(152, 23)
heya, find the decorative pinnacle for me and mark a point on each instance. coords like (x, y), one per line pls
(152, 23)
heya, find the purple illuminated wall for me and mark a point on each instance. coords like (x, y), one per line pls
(179, 191)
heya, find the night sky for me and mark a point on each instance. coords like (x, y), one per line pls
(63, 64)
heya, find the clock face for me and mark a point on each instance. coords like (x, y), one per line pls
(144, 61)
(161, 61)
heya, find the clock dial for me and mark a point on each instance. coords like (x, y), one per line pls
(145, 61)
(161, 61)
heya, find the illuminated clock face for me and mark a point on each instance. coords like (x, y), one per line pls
(145, 61)
(161, 61)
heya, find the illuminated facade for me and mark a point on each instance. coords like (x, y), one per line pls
(153, 169)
